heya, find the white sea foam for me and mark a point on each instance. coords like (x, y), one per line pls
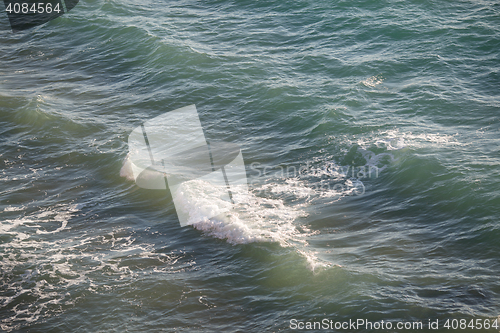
(59, 213)
(378, 162)
(395, 140)
(13, 208)
(373, 81)
(255, 215)
(269, 212)
(22, 252)
(253, 219)
(52, 263)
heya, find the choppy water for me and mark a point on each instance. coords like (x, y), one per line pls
(410, 89)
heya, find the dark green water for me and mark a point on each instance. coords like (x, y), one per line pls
(407, 89)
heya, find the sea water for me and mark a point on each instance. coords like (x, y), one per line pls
(370, 132)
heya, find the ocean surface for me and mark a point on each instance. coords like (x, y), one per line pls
(370, 132)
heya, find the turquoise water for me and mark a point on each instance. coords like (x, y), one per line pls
(407, 89)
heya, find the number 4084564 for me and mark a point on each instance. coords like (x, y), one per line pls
(478, 324)
(35, 8)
